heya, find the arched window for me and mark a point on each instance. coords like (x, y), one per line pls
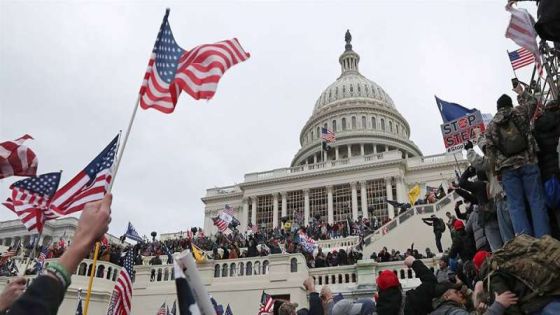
(343, 123)
(390, 126)
(318, 132)
(364, 122)
(382, 124)
(166, 275)
(115, 276)
(109, 270)
(257, 268)
(82, 269)
(224, 270)
(333, 279)
(353, 122)
(217, 271)
(373, 125)
(89, 270)
(326, 126)
(100, 271)
(265, 267)
(293, 265)
(232, 270)
(397, 127)
(249, 269)
(241, 268)
(334, 125)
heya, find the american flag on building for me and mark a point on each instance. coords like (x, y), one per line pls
(520, 58)
(43, 255)
(89, 185)
(17, 159)
(121, 303)
(328, 135)
(172, 69)
(31, 199)
(267, 305)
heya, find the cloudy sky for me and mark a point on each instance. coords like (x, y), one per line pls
(70, 72)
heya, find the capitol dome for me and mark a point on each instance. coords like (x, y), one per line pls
(361, 114)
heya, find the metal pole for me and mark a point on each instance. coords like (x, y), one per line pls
(91, 276)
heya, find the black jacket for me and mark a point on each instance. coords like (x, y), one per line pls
(547, 131)
(390, 301)
(42, 297)
(419, 301)
(462, 244)
(315, 304)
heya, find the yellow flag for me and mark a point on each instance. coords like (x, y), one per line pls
(413, 194)
(199, 255)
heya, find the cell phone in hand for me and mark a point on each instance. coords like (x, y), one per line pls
(515, 82)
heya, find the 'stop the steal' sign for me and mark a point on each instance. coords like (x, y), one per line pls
(457, 132)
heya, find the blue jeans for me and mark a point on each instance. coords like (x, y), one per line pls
(552, 308)
(522, 184)
(504, 219)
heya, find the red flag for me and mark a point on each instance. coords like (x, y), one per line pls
(17, 159)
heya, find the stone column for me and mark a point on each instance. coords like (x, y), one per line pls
(245, 214)
(386, 148)
(336, 153)
(354, 201)
(364, 198)
(390, 208)
(362, 151)
(375, 148)
(284, 204)
(349, 150)
(275, 210)
(401, 190)
(315, 158)
(306, 206)
(330, 210)
(254, 212)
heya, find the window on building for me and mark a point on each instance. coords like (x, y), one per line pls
(312, 135)
(390, 126)
(293, 265)
(373, 125)
(318, 132)
(295, 203)
(318, 203)
(343, 122)
(382, 124)
(224, 270)
(217, 271)
(249, 269)
(241, 268)
(250, 214)
(342, 202)
(376, 192)
(264, 212)
(397, 127)
(265, 267)
(364, 122)
(334, 125)
(353, 122)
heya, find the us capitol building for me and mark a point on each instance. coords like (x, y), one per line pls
(373, 159)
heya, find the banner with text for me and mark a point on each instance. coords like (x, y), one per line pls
(457, 132)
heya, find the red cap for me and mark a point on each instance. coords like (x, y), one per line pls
(479, 258)
(387, 279)
(458, 225)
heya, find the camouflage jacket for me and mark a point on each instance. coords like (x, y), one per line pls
(522, 115)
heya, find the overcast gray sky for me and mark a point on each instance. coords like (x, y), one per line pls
(70, 72)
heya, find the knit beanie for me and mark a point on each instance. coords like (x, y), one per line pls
(387, 279)
(504, 101)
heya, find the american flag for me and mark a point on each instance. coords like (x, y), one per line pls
(79, 310)
(229, 210)
(173, 309)
(123, 289)
(162, 310)
(228, 310)
(267, 305)
(307, 243)
(132, 234)
(17, 159)
(521, 58)
(31, 200)
(89, 185)
(220, 224)
(522, 32)
(327, 135)
(43, 255)
(172, 69)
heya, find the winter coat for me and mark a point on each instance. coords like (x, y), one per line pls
(452, 308)
(419, 300)
(481, 163)
(389, 301)
(473, 227)
(462, 244)
(522, 115)
(547, 131)
(442, 275)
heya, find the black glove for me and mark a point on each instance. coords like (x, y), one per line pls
(468, 145)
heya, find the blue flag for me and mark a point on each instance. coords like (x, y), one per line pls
(451, 111)
(79, 308)
(132, 234)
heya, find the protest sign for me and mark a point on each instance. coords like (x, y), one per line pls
(457, 132)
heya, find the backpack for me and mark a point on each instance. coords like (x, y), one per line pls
(510, 138)
(532, 263)
(439, 225)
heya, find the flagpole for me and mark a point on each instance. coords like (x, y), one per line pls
(31, 256)
(91, 276)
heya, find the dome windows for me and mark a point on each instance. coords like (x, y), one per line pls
(373, 124)
(353, 122)
(382, 124)
(390, 126)
(334, 125)
(343, 123)
(364, 122)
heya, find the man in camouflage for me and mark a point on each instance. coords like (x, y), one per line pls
(519, 172)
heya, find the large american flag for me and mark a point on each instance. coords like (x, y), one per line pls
(121, 303)
(171, 69)
(17, 159)
(89, 185)
(520, 58)
(267, 305)
(31, 199)
(220, 223)
(162, 310)
(43, 255)
(521, 31)
(328, 135)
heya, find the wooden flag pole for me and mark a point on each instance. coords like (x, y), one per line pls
(91, 276)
